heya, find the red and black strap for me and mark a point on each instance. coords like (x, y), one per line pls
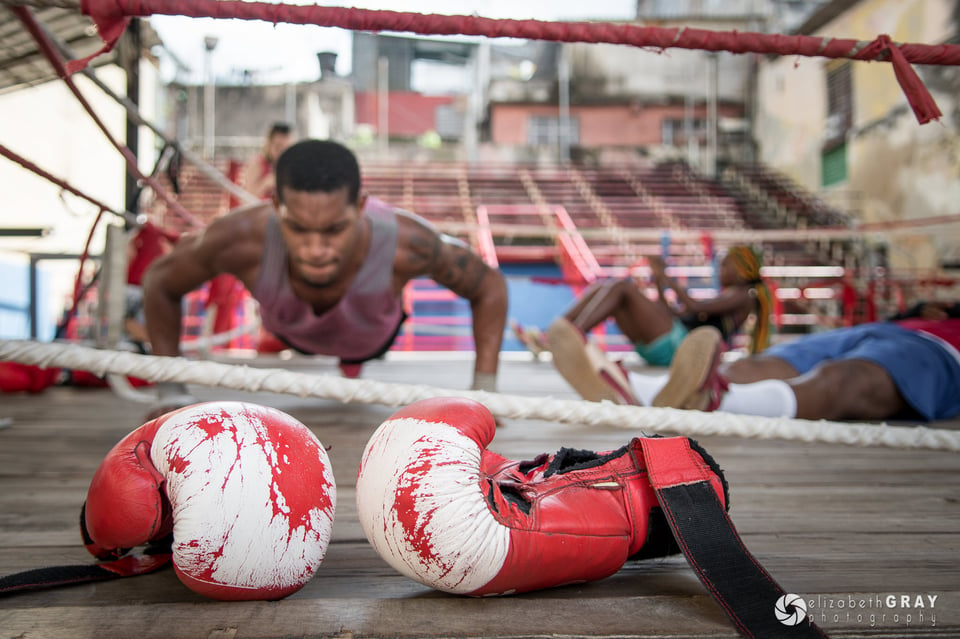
(710, 542)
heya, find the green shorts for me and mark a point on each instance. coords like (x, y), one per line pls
(660, 351)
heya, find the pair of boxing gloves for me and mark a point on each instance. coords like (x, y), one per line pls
(249, 497)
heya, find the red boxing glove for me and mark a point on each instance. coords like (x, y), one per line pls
(247, 491)
(443, 510)
(16, 377)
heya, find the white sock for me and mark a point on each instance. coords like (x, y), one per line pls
(646, 387)
(766, 398)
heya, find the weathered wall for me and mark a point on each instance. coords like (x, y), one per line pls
(897, 168)
(616, 125)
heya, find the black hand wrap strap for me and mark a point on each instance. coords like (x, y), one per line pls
(69, 575)
(699, 521)
(156, 555)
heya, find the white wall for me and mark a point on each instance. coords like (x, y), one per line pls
(48, 126)
(670, 73)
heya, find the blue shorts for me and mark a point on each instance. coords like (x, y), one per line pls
(925, 373)
(660, 351)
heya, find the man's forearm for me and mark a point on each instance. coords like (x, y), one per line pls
(488, 337)
(489, 321)
(164, 320)
(488, 353)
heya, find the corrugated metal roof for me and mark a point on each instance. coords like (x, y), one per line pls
(22, 64)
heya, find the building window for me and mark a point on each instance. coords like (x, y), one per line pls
(673, 132)
(839, 104)
(833, 166)
(544, 131)
(449, 122)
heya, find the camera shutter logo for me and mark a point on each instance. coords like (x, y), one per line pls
(790, 609)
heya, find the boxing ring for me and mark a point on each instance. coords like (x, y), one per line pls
(840, 511)
(825, 519)
(111, 19)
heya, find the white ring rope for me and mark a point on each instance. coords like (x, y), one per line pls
(122, 387)
(639, 419)
(219, 339)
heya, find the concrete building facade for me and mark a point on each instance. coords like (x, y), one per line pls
(845, 128)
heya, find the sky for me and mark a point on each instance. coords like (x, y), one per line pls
(276, 54)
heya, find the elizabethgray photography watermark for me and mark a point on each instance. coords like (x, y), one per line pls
(881, 609)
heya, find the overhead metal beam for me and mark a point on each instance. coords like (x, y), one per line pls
(24, 232)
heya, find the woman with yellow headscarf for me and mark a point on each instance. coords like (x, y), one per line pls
(746, 264)
(742, 293)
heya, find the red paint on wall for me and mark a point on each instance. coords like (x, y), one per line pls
(409, 114)
(600, 125)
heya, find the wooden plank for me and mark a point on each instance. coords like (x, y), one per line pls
(413, 617)
(823, 519)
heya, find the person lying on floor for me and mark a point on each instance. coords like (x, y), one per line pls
(902, 368)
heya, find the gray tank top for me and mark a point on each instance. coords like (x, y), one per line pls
(362, 322)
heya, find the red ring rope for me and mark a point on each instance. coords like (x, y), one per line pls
(50, 52)
(111, 17)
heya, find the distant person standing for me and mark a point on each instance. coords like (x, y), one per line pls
(225, 294)
(258, 172)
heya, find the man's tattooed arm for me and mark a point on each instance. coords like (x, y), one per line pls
(451, 264)
(444, 259)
